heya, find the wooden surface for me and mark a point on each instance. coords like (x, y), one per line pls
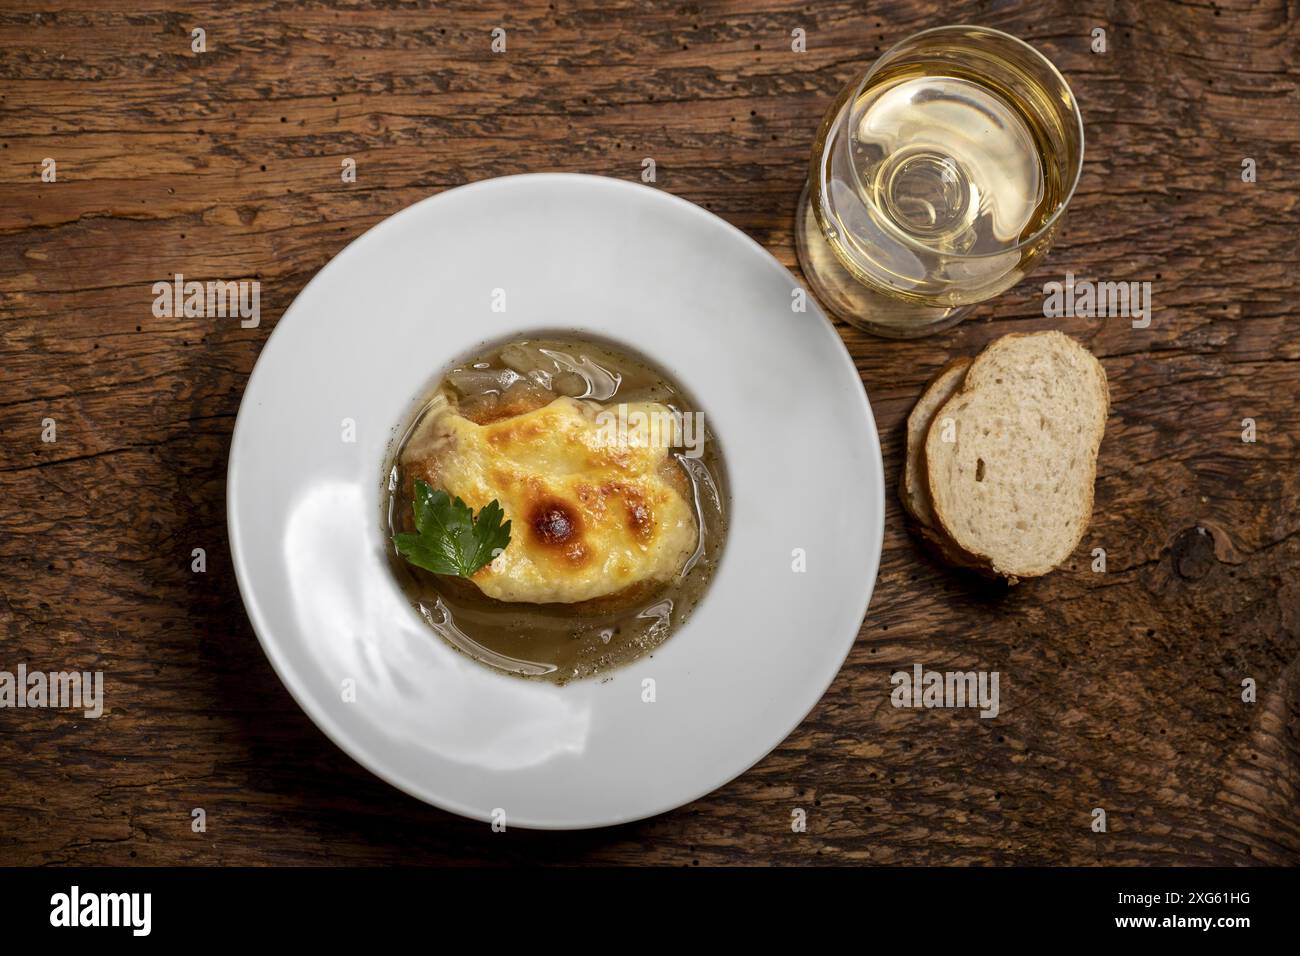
(1120, 690)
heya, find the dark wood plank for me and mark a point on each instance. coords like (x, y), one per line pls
(1121, 690)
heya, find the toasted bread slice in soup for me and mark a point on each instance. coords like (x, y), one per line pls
(1011, 481)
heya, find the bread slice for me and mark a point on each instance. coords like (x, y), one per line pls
(912, 486)
(1011, 457)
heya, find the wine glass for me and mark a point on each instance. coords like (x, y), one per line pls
(938, 179)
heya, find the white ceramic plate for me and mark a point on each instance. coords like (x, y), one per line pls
(380, 323)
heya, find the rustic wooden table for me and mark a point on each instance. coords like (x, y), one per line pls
(1121, 690)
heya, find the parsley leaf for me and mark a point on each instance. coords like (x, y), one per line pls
(448, 538)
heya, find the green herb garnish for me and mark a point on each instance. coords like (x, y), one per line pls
(448, 538)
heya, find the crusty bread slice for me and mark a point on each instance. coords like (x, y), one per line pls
(912, 487)
(1011, 457)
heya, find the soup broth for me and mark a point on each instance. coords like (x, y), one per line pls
(560, 642)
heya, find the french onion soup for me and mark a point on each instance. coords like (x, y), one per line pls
(556, 506)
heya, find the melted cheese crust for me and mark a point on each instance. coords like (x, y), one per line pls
(590, 517)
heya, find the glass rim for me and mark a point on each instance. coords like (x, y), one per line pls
(1037, 54)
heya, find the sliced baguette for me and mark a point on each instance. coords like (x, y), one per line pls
(1011, 457)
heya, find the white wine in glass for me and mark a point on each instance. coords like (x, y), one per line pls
(938, 179)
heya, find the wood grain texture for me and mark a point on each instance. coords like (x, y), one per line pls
(1120, 690)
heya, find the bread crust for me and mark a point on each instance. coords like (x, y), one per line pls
(913, 489)
(912, 486)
